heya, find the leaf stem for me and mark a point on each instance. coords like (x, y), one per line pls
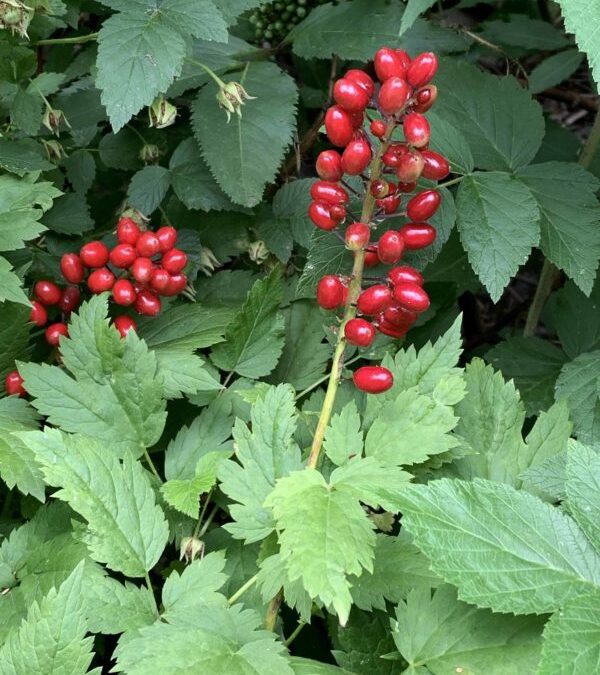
(288, 641)
(453, 181)
(208, 70)
(201, 516)
(273, 611)
(152, 466)
(242, 589)
(314, 385)
(76, 40)
(151, 589)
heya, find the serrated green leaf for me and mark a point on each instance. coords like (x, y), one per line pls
(450, 142)
(148, 188)
(414, 8)
(26, 111)
(577, 21)
(254, 339)
(126, 528)
(520, 30)
(579, 383)
(81, 170)
(14, 335)
(549, 436)
(120, 150)
(69, 215)
(183, 495)
(343, 436)
(234, 150)
(23, 156)
(326, 255)
(10, 285)
(302, 666)
(498, 221)
(583, 490)
(554, 69)
(290, 205)
(503, 549)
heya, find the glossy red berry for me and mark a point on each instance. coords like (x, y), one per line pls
(404, 57)
(338, 213)
(435, 166)
(399, 275)
(47, 292)
(378, 128)
(393, 95)
(128, 231)
(142, 269)
(410, 167)
(101, 280)
(160, 280)
(357, 119)
(374, 300)
(123, 292)
(177, 283)
(123, 255)
(330, 192)
(390, 158)
(174, 261)
(417, 131)
(38, 314)
(338, 125)
(13, 384)
(390, 329)
(350, 95)
(390, 203)
(425, 98)
(371, 257)
(147, 244)
(406, 187)
(147, 303)
(356, 157)
(399, 316)
(380, 188)
(54, 332)
(320, 214)
(357, 236)
(70, 299)
(94, 254)
(359, 332)
(361, 78)
(422, 69)
(330, 292)
(388, 63)
(390, 247)
(411, 296)
(329, 165)
(167, 237)
(124, 324)
(72, 268)
(418, 235)
(423, 205)
(373, 379)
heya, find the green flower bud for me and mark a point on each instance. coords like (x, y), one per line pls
(149, 153)
(162, 113)
(52, 119)
(15, 16)
(191, 548)
(231, 97)
(258, 252)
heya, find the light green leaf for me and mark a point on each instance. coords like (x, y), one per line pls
(10, 285)
(343, 436)
(414, 8)
(234, 150)
(503, 549)
(554, 69)
(23, 156)
(580, 19)
(498, 221)
(148, 188)
(126, 529)
(583, 490)
(549, 435)
(579, 383)
(254, 339)
(302, 666)
(183, 495)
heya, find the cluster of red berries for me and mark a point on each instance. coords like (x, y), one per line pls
(141, 267)
(404, 94)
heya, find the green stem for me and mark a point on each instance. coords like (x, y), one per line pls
(149, 586)
(448, 183)
(208, 521)
(77, 40)
(273, 611)
(314, 385)
(201, 516)
(208, 70)
(151, 465)
(550, 273)
(242, 589)
(288, 641)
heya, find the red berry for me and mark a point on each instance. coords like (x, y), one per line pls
(350, 95)
(338, 213)
(357, 236)
(160, 280)
(399, 316)
(47, 292)
(72, 268)
(94, 254)
(436, 166)
(123, 292)
(357, 119)
(388, 63)
(404, 57)
(128, 231)
(330, 292)
(390, 247)
(374, 300)
(371, 258)
(326, 191)
(329, 165)
(147, 303)
(362, 79)
(359, 332)
(70, 299)
(54, 332)
(411, 296)
(378, 128)
(416, 130)
(123, 255)
(373, 379)
(13, 383)
(422, 69)
(418, 235)
(124, 324)
(101, 280)
(380, 188)
(141, 270)
(38, 315)
(393, 95)
(390, 203)
(391, 158)
(177, 283)
(390, 329)
(319, 213)
(406, 187)
(423, 205)
(410, 166)
(425, 98)
(338, 125)
(398, 275)
(147, 244)
(174, 261)
(167, 237)
(356, 157)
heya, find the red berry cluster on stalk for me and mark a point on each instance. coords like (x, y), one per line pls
(402, 97)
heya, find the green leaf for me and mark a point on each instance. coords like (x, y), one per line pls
(26, 111)
(326, 255)
(343, 436)
(234, 150)
(10, 285)
(121, 150)
(502, 548)
(290, 205)
(439, 631)
(254, 339)
(414, 8)
(324, 536)
(572, 638)
(570, 213)
(302, 666)
(14, 335)
(23, 156)
(148, 188)
(549, 436)
(579, 383)
(503, 125)
(450, 142)
(81, 170)
(554, 70)
(498, 221)
(69, 215)
(579, 22)
(183, 495)
(52, 637)
(522, 31)
(583, 490)
(141, 50)
(126, 529)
